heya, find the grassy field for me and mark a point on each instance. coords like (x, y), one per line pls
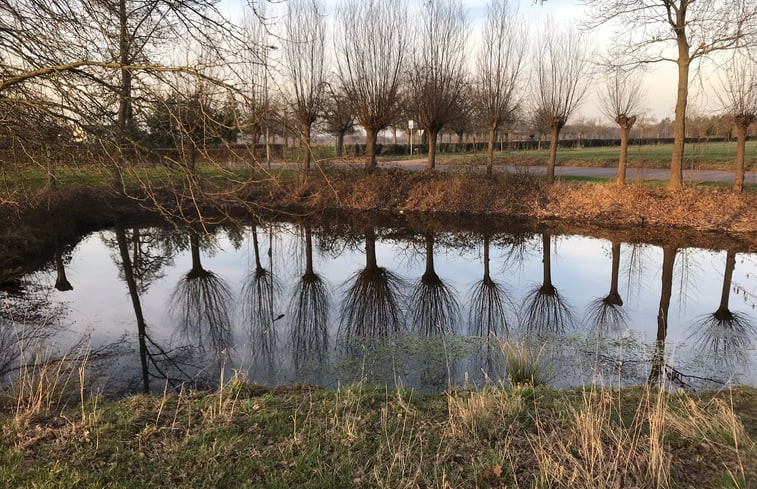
(247, 436)
(698, 156)
(701, 156)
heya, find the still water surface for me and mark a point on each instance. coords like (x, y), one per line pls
(283, 303)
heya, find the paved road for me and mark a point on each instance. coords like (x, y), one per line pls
(631, 173)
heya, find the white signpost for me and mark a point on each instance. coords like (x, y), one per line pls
(411, 126)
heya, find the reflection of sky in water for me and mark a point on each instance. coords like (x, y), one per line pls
(580, 272)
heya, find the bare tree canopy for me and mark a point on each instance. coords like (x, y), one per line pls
(305, 52)
(562, 78)
(437, 76)
(499, 70)
(648, 30)
(370, 44)
(621, 99)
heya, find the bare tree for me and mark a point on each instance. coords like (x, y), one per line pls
(646, 28)
(100, 64)
(739, 96)
(305, 52)
(621, 100)
(256, 75)
(463, 122)
(337, 117)
(562, 79)
(437, 76)
(540, 122)
(370, 46)
(499, 69)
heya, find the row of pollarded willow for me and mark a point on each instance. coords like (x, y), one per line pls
(106, 85)
(436, 76)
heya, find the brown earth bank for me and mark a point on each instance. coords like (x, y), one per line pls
(514, 196)
(417, 202)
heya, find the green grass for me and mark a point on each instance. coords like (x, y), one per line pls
(696, 156)
(95, 176)
(245, 436)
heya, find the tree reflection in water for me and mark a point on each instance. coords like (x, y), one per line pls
(490, 304)
(434, 308)
(29, 321)
(434, 314)
(202, 302)
(666, 291)
(61, 281)
(309, 306)
(260, 300)
(136, 303)
(371, 308)
(724, 335)
(606, 313)
(544, 309)
(489, 315)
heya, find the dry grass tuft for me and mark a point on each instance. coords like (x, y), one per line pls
(589, 448)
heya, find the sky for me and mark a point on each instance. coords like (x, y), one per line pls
(659, 79)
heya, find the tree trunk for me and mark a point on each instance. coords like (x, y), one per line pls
(614, 296)
(371, 263)
(61, 281)
(256, 248)
(547, 259)
(370, 148)
(124, 102)
(194, 248)
(487, 277)
(490, 149)
(267, 148)
(136, 304)
(679, 127)
(553, 153)
(623, 158)
(730, 264)
(431, 162)
(308, 252)
(429, 256)
(666, 291)
(339, 144)
(394, 136)
(738, 177)
(306, 145)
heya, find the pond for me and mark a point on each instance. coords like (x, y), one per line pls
(329, 305)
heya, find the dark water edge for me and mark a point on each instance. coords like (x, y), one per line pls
(58, 236)
(30, 239)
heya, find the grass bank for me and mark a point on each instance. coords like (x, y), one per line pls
(247, 436)
(516, 196)
(393, 191)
